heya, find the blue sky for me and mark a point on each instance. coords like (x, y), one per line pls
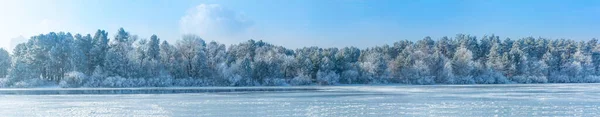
(299, 23)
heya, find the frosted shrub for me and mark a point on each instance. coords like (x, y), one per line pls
(558, 78)
(500, 79)
(161, 81)
(464, 80)
(3, 82)
(114, 81)
(29, 83)
(137, 82)
(125, 82)
(488, 77)
(189, 82)
(182, 82)
(577, 79)
(327, 78)
(426, 80)
(234, 80)
(275, 82)
(538, 79)
(301, 80)
(520, 79)
(21, 84)
(97, 78)
(349, 77)
(73, 79)
(592, 79)
(484, 79)
(93, 81)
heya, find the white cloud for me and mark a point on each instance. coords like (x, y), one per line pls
(214, 22)
(14, 42)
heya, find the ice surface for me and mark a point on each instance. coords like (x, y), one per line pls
(405, 100)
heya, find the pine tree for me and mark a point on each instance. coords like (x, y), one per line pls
(99, 49)
(117, 62)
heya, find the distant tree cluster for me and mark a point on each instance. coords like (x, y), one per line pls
(128, 61)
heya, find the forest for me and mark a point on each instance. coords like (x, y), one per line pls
(126, 60)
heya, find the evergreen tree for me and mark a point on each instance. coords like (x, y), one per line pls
(99, 49)
(117, 62)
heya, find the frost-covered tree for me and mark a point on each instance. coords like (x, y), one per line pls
(423, 68)
(583, 66)
(153, 51)
(494, 58)
(375, 68)
(326, 74)
(346, 64)
(243, 68)
(5, 62)
(517, 61)
(437, 67)
(469, 42)
(22, 68)
(148, 56)
(172, 60)
(463, 66)
(97, 54)
(193, 54)
(141, 59)
(117, 61)
(217, 56)
(595, 54)
(61, 55)
(304, 66)
(81, 54)
(485, 46)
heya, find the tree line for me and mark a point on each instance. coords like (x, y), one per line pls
(126, 60)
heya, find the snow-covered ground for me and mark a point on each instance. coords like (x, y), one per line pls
(405, 100)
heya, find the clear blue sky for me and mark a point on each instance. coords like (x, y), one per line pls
(299, 23)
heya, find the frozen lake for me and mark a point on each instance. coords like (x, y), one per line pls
(405, 100)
